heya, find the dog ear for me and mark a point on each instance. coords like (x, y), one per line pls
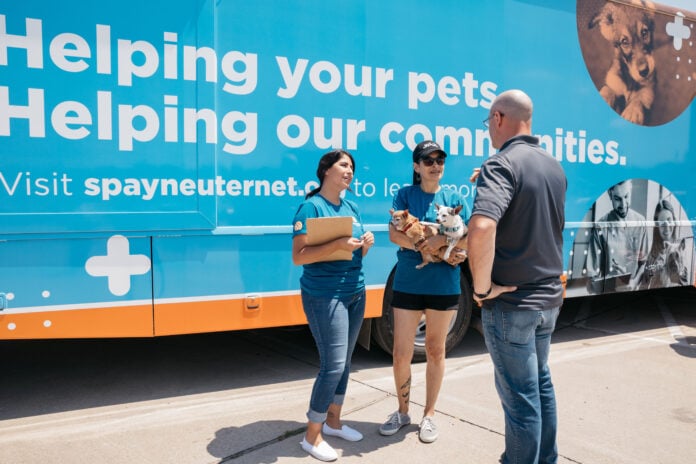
(595, 20)
(605, 19)
(436, 206)
(457, 209)
(606, 15)
(391, 212)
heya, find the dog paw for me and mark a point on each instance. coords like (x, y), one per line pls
(608, 95)
(634, 113)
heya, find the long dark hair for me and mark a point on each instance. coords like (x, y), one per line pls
(416, 178)
(325, 163)
(658, 242)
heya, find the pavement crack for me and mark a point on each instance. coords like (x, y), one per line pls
(284, 436)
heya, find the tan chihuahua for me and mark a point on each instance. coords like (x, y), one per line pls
(405, 222)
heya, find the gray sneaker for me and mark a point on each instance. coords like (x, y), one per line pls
(428, 430)
(394, 423)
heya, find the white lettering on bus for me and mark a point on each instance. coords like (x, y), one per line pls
(326, 77)
(134, 123)
(134, 58)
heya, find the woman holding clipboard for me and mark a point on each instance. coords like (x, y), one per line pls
(333, 297)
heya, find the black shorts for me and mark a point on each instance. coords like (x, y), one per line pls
(415, 302)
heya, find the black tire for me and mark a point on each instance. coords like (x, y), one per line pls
(382, 328)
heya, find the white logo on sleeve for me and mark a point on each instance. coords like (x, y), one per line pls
(118, 265)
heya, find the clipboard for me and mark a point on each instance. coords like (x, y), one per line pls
(324, 229)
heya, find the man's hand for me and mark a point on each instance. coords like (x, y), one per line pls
(495, 291)
(474, 175)
(617, 267)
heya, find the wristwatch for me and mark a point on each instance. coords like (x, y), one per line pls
(481, 296)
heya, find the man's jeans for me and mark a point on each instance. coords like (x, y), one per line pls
(335, 324)
(519, 342)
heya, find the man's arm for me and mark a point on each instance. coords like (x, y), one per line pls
(643, 252)
(481, 251)
(482, 232)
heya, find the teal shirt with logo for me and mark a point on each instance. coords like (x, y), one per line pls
(331, 278)
(435, 278)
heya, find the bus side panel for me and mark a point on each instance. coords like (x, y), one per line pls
(215, 283)
(76, 288)
(230, 282)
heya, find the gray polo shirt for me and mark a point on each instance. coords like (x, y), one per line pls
(523, 189)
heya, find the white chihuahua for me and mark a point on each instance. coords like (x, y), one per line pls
(452, 225)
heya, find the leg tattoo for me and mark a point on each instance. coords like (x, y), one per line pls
(405, 390)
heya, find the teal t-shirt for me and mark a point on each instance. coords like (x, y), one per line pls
(330, 278)
(435, 278)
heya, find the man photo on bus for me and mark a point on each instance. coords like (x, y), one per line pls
(618, 244)
(431, 291)
(333, 299)
(516, 260)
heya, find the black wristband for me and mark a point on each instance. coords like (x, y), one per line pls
(481, 296)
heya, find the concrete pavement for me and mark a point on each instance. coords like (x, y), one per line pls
(624, 370)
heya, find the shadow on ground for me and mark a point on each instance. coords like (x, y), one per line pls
(48, 376)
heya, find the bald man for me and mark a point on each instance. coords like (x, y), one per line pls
(515, 255)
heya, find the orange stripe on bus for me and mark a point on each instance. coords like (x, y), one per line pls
(122, 321)
(169, 318)
(240, 314)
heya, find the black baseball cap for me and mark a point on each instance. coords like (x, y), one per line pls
(425, 148)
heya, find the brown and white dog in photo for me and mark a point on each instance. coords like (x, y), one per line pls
(405, 222)
(451, 225)
(629, 86)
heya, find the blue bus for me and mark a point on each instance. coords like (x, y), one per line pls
(152, 154)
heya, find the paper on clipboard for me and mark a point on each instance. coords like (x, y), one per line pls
(324, 229)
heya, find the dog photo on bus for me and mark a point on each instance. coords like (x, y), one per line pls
(639, 57)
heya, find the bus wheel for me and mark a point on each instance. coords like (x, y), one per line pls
(382, 328)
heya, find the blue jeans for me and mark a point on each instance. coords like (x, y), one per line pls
(519, 342)
(335, 324)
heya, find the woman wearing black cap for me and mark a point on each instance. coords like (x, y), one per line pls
(432, 290)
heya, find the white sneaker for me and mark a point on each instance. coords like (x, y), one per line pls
(345, 432)
(428, 430)
(323, 451)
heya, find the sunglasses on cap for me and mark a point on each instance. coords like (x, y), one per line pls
(430, 161)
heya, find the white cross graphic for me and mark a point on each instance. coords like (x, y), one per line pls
(118, 265)
(678, 30)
